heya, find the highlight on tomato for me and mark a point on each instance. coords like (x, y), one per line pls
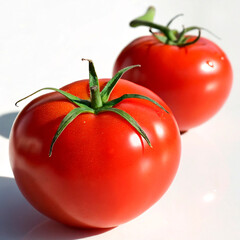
(95, 153)
(190, 73)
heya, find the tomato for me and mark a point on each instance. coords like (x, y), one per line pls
(101, 172)
(194, 80)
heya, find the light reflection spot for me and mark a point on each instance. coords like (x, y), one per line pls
(145, 165)
(211, 86)
(208, 66)
(159, 130)
(135, 140)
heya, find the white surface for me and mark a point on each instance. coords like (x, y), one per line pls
(42, 43)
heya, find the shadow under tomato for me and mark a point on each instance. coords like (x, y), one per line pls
(6, 122)
(52, 230)
(19, 220)
(17, 216)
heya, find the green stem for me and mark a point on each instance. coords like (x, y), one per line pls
(96, 100)
(169, 23)
(192, 42)
(76, 100)
(148, 16)
(168, 36)
(147, 20)
(166, 31)
(105, 93)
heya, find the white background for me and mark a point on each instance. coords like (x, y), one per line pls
(41, 45)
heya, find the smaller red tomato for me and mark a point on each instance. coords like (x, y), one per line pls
(191, 74)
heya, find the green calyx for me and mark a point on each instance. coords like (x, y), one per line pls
(98, 103)
(164, 34)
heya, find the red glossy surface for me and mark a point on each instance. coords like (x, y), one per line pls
(101, 173)
(194, 80)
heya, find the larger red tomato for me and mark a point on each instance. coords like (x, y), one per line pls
(194, 80)
(102, 172)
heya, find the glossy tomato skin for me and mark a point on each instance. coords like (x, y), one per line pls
(194, 80)
(101, 172)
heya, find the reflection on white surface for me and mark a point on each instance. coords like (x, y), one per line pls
(135, 140)
(209, 197)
